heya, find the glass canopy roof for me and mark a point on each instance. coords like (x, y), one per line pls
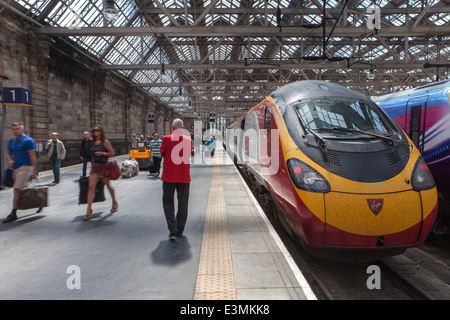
(207, 68)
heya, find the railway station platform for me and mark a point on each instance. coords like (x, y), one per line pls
(229, 251)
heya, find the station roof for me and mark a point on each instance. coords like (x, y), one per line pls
(225, 56)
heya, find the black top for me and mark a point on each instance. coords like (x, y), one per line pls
(94, 149)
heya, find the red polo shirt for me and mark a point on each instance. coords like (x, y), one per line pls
(176, 151)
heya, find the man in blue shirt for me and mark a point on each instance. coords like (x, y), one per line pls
(21, 157)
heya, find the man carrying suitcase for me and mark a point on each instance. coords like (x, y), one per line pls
(21, 157)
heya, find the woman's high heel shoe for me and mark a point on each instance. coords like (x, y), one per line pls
(88, 215)
(114, 207)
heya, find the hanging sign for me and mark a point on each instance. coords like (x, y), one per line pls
(17, 96)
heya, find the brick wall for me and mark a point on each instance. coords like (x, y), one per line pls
(70, 94)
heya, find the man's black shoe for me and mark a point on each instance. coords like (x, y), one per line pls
(10, 218)
(173, 234)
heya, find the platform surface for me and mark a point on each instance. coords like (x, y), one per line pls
(228, 250)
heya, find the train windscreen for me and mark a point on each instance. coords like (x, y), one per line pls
(341, 117)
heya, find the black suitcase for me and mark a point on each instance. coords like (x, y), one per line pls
(151, 167)
(84, 186)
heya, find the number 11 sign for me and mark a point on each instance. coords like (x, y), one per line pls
(16, 96)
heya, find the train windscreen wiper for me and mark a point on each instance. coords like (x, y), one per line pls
(315, 134)
(387, 139)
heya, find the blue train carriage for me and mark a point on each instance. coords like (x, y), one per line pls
(424, 114)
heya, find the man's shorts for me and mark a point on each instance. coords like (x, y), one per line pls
(21, 176)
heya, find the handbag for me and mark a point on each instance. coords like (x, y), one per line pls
(32, 198)
(113, 170)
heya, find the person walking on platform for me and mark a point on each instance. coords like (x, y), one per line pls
(85, 153)
(176, 151)
(21, 157)
(56, 153)
(155, 145)
(211, 146)
(101, 150)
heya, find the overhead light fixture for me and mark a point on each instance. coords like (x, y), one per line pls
(371, 73)
(110, 10)
(163, 69)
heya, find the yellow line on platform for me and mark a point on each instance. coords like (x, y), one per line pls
(215, 280)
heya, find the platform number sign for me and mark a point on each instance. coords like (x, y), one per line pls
(16, 96)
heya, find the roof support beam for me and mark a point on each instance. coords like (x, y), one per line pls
(285, 65)
(267, 84)
(239, 31)
(167, 13)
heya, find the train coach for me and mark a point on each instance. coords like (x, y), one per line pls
(336, 171)
(424, 114)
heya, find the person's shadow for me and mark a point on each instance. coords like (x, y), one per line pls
(170, 252)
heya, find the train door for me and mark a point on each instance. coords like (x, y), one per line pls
(415, 120)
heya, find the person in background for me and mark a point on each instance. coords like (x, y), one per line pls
(211, 146)
(101, 150)
(134, 141)
(176, 151)
(85, 147)
(21, 157)
(56, 154)
(155, 145)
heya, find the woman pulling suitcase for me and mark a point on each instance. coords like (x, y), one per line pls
(101, 150)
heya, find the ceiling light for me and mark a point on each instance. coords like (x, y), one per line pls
(110, 11)
(371, 73)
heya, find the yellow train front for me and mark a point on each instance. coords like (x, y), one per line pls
(345, 178)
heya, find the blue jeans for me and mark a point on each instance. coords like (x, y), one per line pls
(55, 163)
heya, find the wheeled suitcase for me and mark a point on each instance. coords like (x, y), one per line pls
(84, 186)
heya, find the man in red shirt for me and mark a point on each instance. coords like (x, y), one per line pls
(176, 151)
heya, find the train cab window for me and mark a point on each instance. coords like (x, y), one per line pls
(414, 124)
(341, 117)
(267, 120)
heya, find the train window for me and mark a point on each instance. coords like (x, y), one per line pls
(267, 120)
(329, 113)
(414, 124)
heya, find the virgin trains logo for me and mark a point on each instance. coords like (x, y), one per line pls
(375, 205)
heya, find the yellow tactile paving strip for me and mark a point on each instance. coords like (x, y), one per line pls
(215, 280)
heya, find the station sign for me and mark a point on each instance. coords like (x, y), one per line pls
(151, 117)
(16, 96)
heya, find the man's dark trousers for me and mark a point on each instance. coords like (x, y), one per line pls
(175, 224)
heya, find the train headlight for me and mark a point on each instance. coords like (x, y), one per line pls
(421, 176)
(306, 178)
